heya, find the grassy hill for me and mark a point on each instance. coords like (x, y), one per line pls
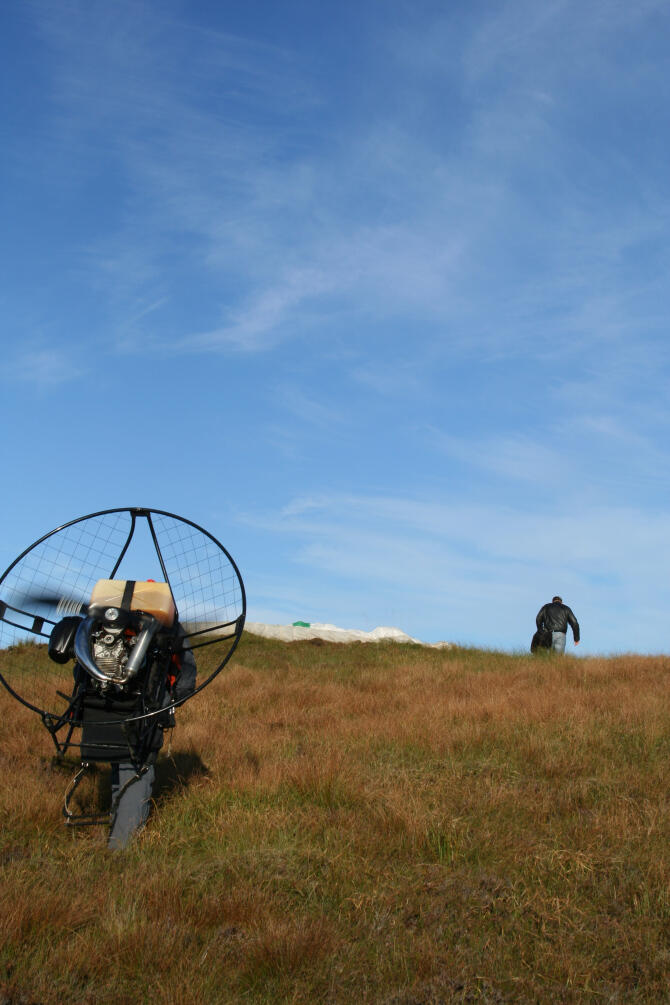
(360, 823)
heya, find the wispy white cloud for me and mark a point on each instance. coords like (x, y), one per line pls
(310, 409)
(394, 379)
(262, 322)
(43, 367)
(289, 226)
(581, 457)
(553, 38)
(519, 457)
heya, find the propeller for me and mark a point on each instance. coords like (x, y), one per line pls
(64, 603)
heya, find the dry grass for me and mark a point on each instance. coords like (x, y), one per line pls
(360, 823)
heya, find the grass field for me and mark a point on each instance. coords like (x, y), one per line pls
(359, 823)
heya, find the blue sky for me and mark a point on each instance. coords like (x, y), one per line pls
(375, 292)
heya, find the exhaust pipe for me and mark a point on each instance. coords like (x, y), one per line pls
(82, 648)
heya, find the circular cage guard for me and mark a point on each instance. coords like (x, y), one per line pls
(55, 577)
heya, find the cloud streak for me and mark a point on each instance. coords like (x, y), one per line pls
(397, 222)
(45, 368)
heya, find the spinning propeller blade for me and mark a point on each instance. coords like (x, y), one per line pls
(64, 604)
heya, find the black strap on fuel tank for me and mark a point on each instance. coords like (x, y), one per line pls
(128, 591)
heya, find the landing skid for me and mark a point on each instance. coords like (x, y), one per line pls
(73, 819)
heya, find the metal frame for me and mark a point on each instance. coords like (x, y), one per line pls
(93, 819)
(55, 722)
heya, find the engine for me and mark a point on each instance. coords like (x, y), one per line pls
(111, 649)
(116, 638)
(113, 645)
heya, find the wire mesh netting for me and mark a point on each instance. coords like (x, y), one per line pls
(205, 584)
(55, 577)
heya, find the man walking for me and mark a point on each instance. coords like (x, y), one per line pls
(555, 618)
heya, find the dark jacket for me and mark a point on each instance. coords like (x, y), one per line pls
(556, 618)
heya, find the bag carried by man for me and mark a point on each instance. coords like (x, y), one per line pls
(540, 640)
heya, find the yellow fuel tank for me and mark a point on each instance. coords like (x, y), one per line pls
(152, 598)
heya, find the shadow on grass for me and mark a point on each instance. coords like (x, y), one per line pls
(175, 772)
